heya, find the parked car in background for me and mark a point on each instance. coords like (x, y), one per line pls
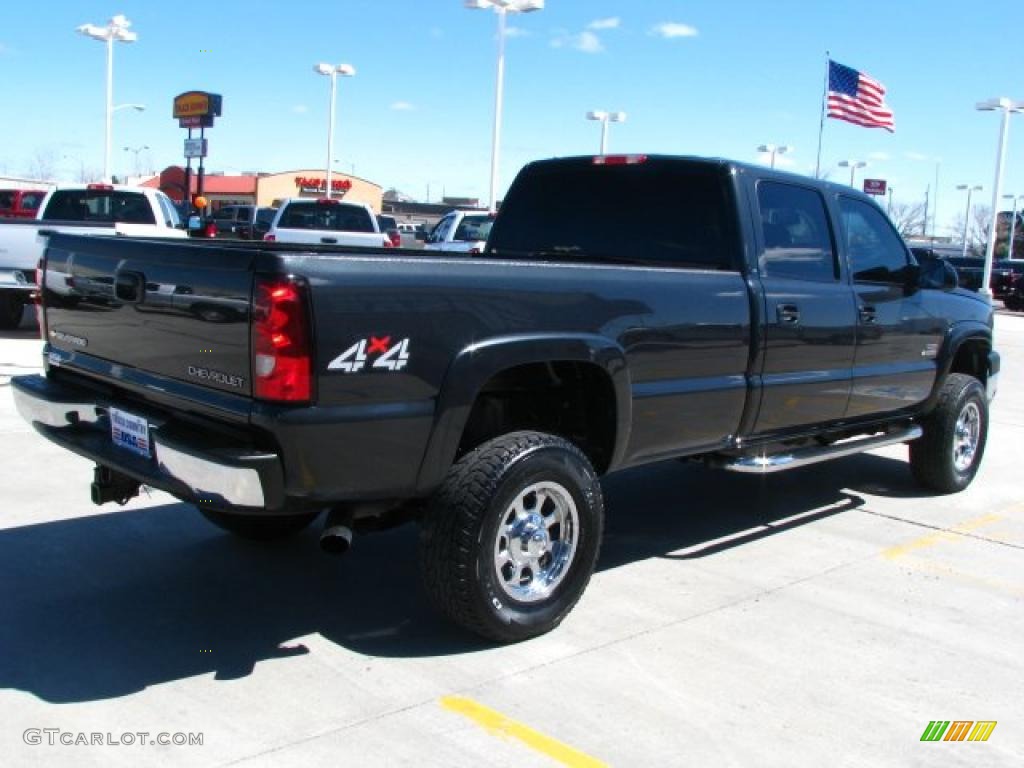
(244, 222)
(460, 231)
(970, 269)
(326, 222)
(1006, 274)
(20, 203)
(389, 227)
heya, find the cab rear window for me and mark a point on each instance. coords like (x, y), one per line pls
(338, 217)
(653, 212)
(111, 206)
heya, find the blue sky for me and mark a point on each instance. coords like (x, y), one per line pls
(704, 77)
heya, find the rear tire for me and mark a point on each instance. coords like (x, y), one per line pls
(512, 536)
(946, 458)
(12, 307)
(259, 527)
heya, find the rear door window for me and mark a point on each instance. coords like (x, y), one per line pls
(473, 228)
(795, 234)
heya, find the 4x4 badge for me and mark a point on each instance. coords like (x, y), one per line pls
(391, 356)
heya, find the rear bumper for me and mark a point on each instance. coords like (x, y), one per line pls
(191, 465)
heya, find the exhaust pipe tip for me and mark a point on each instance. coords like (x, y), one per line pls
(336, 539)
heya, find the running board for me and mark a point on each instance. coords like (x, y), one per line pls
(780, 462)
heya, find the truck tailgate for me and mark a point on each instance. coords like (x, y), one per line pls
(172, 311)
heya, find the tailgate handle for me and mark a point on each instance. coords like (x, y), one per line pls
(128, 286)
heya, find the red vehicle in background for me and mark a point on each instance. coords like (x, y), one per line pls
(20, 203)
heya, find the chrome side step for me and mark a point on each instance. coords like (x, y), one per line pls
(780, 462)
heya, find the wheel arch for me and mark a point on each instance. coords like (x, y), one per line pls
(480, 363)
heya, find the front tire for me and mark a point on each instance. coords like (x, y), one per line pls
(259, 527)
(946, 458)
(512, 536)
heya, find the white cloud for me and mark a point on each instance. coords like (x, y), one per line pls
(878, 156)
(609, 23)
(671, 29)
(402, 106)
(916, 156)
(300, 109)
(587, 42)
(516, 32)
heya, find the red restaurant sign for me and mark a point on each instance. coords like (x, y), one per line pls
(874, 186)
(307, 184)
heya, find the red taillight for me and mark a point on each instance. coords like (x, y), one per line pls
(327, 201)
(210, 229)
(395, 239)
(100, 187)
(475, 250)
(620, 159)
(281, 356)
(269, 238)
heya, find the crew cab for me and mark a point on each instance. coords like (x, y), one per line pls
(760, 321)
(93, 209)
(326, 221)
(461, 232)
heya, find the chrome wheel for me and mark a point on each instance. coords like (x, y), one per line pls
(966, 436)
(536, 542)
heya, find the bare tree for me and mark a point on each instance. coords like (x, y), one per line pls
(908, 218)
(43, 165)
(977, 229)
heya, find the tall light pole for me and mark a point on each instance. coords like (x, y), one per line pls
(1006, 106)
(1013, 223)
(604, 118)
(116, 29)
(332, 71)
(502, 8)
(135, 151)
(967, 215)
(853, 165)
(774, 150)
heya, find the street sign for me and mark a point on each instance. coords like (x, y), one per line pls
(195, 147)
(196, 121)
(874, 186)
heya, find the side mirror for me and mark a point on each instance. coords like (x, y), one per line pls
(937, 274)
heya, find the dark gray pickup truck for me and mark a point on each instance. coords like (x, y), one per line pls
(757, 321)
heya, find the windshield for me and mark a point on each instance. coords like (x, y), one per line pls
(473, 228)
(339, 217)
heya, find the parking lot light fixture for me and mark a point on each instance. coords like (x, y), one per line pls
(1007, 107)
(116, 30)
(332, 71)
(967, 215)
(774, 150)
(853, 165)
(502, 8)
(604, 118)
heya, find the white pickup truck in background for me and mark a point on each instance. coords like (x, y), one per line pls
(326, 222)
(84, 209)
(461, 232)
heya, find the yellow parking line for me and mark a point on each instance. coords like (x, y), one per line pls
(934, 538)
(499, 725)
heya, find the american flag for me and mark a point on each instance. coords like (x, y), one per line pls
(857, 98)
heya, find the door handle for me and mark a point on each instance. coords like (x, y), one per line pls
(788, 314)
(868, 314)
(329, 240)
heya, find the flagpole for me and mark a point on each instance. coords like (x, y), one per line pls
(821, 125)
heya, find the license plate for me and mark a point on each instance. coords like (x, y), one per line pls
(129, 431)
